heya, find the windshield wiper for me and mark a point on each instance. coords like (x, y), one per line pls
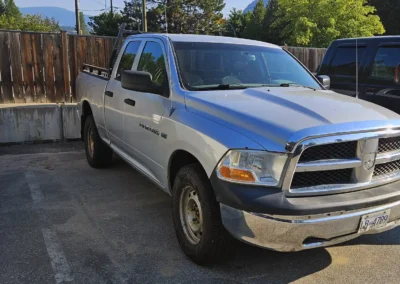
(222, 87)
(296, 84)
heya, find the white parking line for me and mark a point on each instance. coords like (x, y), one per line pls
(34, 187)
(59, 263)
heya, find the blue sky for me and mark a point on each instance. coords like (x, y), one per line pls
(91, 7)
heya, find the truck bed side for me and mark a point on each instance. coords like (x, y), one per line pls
(90, 88)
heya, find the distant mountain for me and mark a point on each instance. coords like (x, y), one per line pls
(63, 16)
(253, 4)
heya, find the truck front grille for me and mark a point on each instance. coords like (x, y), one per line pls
(387, 168)
(389, 144)
(345, 150)
(309, 179)
(345, 166)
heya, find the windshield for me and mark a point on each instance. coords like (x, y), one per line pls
(207, 66)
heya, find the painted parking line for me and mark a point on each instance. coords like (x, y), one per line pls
(59, 263)
(34, 187)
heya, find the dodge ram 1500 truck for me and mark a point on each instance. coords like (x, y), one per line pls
(247, 142)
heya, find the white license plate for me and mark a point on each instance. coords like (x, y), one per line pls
(374, 221)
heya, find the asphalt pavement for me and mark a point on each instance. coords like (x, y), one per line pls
(64, 222)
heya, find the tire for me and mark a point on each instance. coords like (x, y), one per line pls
(98, 154)
(207, 244)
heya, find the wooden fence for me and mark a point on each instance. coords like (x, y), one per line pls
(310, 57)
(42, 67)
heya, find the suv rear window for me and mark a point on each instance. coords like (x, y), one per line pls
(344, 62)
(385, 62)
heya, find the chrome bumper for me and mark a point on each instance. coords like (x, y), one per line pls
(295, 233)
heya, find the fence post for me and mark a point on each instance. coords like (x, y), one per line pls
(65, 67)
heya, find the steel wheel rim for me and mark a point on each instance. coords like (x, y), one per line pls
(191, 215)
(90, 141)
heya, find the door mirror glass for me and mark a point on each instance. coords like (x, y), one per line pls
(325, 81)
(397, 74)
(139, 81)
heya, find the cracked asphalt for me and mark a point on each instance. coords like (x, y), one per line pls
(64, 222)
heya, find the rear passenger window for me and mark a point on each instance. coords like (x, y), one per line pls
(153, 61)
(385, 62)
(344, 62)
(127, 58)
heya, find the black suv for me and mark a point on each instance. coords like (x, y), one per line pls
(378, 69)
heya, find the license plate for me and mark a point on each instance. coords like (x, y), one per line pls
(374, 221)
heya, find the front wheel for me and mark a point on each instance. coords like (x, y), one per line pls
(98, 154)
(197, 217)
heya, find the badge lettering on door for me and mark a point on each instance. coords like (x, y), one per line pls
(153, 130)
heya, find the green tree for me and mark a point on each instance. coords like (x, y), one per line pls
(272, 34)
(388, 11)
(189, 16)
(34, 23)
(84, 26)
(11, 9)
(236, 23)
(318, 22)
(254, 29)
(106, 24)
(132, 14)
(2, 7)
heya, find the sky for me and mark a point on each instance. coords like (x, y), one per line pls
(92, 7)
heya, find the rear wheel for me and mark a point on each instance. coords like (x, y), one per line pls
(197, 217)
(98, 154)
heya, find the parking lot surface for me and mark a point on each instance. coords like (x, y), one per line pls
(64, 222)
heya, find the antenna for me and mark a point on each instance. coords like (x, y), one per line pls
(357, 68)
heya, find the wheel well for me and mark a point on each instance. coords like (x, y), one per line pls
(180, 159)
(86, 112)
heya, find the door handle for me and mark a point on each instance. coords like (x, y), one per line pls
(130, 102)
(109, 94)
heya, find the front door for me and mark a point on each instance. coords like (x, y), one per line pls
(114, 95)
(143, 116)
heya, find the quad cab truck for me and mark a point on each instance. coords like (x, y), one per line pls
(246, 140)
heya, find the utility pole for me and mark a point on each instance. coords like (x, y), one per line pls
(144, 19)
(78, 23)
(111, 5)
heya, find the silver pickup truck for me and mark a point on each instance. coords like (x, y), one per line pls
(247, 142)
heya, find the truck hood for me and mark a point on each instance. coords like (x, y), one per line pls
(271, 116)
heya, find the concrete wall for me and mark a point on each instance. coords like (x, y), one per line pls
(38, 122)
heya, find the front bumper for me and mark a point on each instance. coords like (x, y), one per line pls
(295, 233)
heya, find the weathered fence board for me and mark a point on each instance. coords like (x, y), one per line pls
(16, 70)
(27, 66)
(43, 67)
(73, 64)
(58, 70)
(48, 58)
(38, 67)
(6, 81)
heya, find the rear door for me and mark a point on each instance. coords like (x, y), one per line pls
(115, 95)
(381, 85)
(343, 68)
(143, 127)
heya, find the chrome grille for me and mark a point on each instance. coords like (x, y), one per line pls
(345, 150)
(308, 179)
(389, 144)
(324, 165)
(387, 168)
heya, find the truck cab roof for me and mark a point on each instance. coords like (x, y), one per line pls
(205, 38)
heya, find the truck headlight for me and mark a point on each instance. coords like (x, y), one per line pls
(252, 167)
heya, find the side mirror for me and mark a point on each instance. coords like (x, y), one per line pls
(397, 74)
(325, 81)
(139, 81)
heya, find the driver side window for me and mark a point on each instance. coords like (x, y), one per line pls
(153, 61)
(127, 58)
